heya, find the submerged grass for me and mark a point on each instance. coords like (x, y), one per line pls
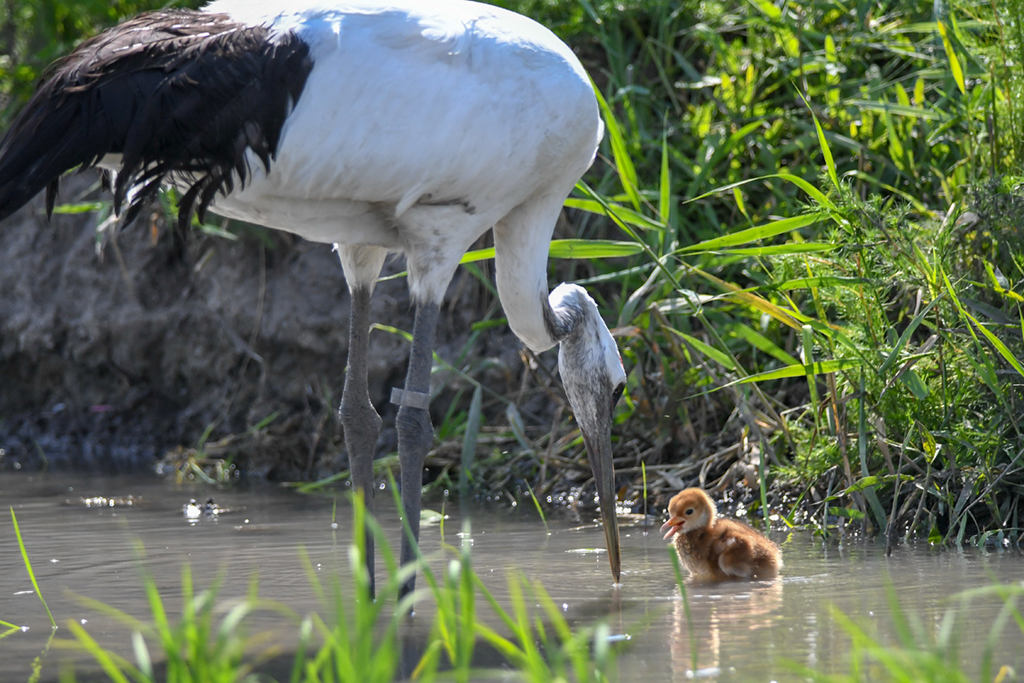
(681, 583)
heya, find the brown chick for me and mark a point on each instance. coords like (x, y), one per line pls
(717, 549)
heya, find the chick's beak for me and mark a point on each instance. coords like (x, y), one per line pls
(674, 525)
(599, 451)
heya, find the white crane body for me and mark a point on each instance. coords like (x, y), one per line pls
(420, 127)
(406, 126)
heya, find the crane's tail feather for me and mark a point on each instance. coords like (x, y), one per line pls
(43, 143)
(173, 92)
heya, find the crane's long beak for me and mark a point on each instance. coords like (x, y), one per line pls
(599, 450)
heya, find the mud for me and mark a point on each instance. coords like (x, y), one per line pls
(114, 349)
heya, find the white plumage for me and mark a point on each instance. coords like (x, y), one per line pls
(397, 126)
(420, 127)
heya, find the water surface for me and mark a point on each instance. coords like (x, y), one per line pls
(742, 631)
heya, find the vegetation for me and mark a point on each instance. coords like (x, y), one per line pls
(805, 225)
(829, 221)
(920, 653)
(358, 639)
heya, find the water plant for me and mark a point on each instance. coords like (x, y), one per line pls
(922, 652)
(358, 640)
(28, 568)
(37, 663)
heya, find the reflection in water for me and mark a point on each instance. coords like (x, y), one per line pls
(754, 606)
(742, 630)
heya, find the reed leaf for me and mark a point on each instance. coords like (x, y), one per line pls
(759, 232)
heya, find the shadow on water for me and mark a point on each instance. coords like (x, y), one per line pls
(742, 631)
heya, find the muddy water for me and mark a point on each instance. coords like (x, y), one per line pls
(742, 632)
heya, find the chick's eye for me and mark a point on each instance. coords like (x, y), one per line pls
(689, 511)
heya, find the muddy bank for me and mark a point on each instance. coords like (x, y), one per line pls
(114, 349)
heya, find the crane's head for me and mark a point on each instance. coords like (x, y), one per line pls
(592, 374)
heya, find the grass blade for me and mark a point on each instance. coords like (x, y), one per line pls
(473, 421)
(954, 62)
(627, 215)
(592, 249)
(862, 448)
(811, 190)
(781, 249)
(677, 567)
(905, 337)
(623, 163)
(569, 249)
(820, 368)
(540, 511)
(759, 341)
(103, 657)
(759, 232)
(28, 567)
(830, 163)
(711, 352)
(996, 342)
(665, 186)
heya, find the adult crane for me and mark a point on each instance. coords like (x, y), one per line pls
(379, 126)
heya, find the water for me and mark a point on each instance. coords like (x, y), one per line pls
(742, 631)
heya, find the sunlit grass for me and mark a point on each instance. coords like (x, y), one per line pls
(357, 641)
(922, 651)
(804, 222)
(28, 568)
(357, 638)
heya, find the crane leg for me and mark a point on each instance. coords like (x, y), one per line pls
(358, 416)
(415, 433)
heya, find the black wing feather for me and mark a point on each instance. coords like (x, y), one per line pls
(173, 92)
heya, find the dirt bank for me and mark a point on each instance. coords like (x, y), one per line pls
(115, 349)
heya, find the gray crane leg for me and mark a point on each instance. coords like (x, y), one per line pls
(358, 416)
(415, 433)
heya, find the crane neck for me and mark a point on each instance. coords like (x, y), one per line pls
(564, 310)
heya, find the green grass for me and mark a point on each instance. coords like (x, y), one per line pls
(28, 568)
(806, 225)
(830, 254)
(785, 211)
(922, 651)
(358, 640)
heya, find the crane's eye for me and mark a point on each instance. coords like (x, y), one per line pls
(689, 511)
(617, 394)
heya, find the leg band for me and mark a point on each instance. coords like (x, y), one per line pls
(410, 399)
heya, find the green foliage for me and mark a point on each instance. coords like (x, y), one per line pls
(359, 640)
(923, 652)
(808, 227)
(28, 568)
(827, 199)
